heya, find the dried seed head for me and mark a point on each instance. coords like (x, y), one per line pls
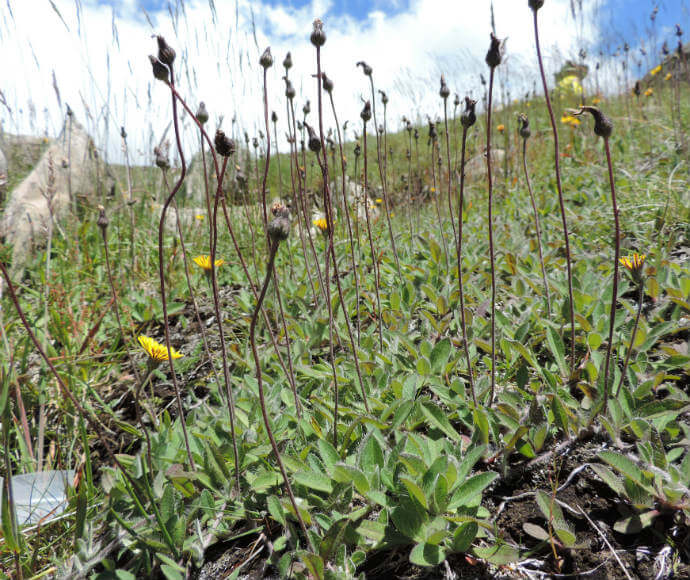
(326, 83)
(366, 112)
(366, 69)
(279, 226)
(255, 142)
(314, 141)
(444, 91)
(202, 113)
(165, 53)
(496, 50)
(469, 117)
(161, 154)
(266, 60)
(289, 89)
(274, 117)
(524, 129)
(535, 4)
(102, 218)
(408, 126)
(637, 88)
(224, 145)
(433, 135)
(358, 149)
(160, 71)
(679, 31)
(603, 127)
(287, 61)
(384, 97)
(318, 36)
(307, 108)
(456, 100)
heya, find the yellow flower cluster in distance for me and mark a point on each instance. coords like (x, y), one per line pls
(633, 263)
(321, 223)
(157, 351)
(649, 92)
(570, 121)
(205, 262)
(655, 71)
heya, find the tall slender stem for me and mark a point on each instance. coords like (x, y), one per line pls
(561, 202)
(640, 302)
(491, 239)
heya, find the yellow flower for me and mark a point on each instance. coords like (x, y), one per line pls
(633, 263)
(433, 190)
(321, 223)
(656, 70)
(379, 200)
(649, 92)
(199, 216)
(158, 352)
(596, 100)
(570, 121)
(204, 262)
(501, 128)
(668, 77)
(570, 84)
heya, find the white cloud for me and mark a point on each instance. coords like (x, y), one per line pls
(102, 59)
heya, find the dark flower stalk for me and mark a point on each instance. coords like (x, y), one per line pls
(445, 93)
(381, 166)
(525, 134)
(603, 128)
(467, 120)
(493, 59)
(166, 56)
(366, 116)
(278, 230)
(535, 5)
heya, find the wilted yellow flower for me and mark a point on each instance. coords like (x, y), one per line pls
(668, 77)
(655, 71)
(157, 351)
(649, 92)
(501, 128)
(570, 121)
(204, 262)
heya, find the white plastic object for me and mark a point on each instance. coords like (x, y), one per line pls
(40, 495)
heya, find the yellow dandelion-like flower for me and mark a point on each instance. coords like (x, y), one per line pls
(501, 128)
(204, 262)
(570, 121)
(321, 223)
(379, 200)
(655, 71)
(633, 263)
(199, 216)
(433, 190)
(649, 92)
(668, 77)
(157, 351)
(596, 100)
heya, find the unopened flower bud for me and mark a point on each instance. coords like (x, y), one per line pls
(102, 218)
(456, 101)
(123, 133)
(225, 146)
(314, 141)
(524, 129)
(287, 61)
(162, 161)
(279, 226)
(160, 71)
(289, 90)
(358, 149)
(444, 91)
(307, 108)
(535, 4)
(495, 54)
(384, 97)
(318, 36)
(266, 59)
(202, 113)
(468, 117)
(165, 53)
(327, 83)
(603, 127)
(366, 69)
(366, 112)
(274, 117)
